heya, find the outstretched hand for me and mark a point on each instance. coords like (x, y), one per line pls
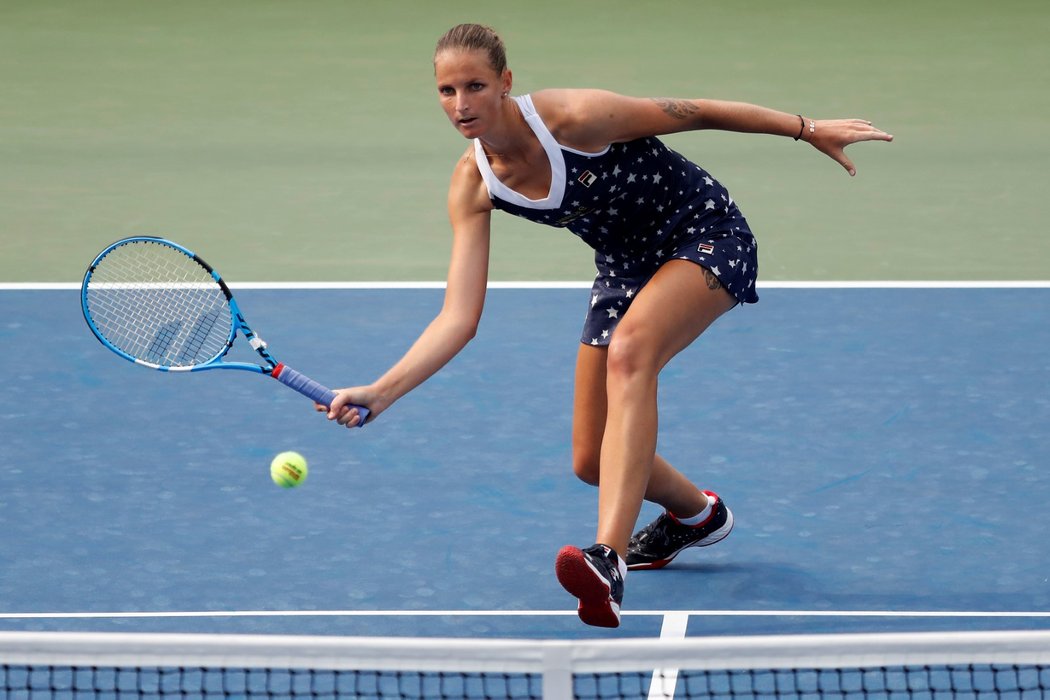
(831, 136)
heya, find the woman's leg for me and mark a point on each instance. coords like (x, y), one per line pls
(615, 425)
(679, 303)
(667, 486)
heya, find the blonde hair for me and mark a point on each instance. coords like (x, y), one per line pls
(475, 37)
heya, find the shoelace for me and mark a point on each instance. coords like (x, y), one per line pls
(651, 529)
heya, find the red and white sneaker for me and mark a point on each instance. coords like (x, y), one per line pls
(593, 575)
(655, 545)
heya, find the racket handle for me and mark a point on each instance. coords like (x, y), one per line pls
(309, 388)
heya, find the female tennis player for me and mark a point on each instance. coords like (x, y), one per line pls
(672, 251)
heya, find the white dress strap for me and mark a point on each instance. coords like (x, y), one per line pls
(496, 188)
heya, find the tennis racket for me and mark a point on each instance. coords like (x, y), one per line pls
(159, 305)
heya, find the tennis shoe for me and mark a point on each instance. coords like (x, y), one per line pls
(655, 545)
(594, 575)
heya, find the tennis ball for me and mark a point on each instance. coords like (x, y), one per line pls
(288, 470)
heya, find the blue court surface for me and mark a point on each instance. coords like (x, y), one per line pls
(885, 452)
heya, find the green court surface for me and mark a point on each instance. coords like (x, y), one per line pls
(303, 140)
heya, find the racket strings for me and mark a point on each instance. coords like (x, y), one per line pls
(159, 305)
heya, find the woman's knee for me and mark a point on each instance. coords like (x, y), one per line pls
(586, 464)
(630, 355)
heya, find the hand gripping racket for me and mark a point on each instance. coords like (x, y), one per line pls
(159, 305)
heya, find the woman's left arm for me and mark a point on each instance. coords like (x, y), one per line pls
(829, 136)
(596, 117)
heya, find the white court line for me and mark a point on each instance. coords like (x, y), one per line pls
(675, 623)
(871, 284)
(664, 681)
(521, 613)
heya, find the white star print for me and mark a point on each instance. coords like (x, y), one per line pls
(654, 214)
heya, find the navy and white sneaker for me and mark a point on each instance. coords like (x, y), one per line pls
(595, 576)
(655, 545)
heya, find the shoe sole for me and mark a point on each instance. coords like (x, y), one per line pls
(714, 538)
(578, 577)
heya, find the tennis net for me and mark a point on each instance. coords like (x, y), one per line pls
(110, 666)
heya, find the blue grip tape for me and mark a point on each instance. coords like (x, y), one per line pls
(318, 392)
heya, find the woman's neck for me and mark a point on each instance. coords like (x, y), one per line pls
(513, 139)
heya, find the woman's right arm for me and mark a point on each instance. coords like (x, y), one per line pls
(455, 325)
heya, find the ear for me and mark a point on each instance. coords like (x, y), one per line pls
(506, 81)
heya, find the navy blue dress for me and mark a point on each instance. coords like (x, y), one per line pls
(637, 204)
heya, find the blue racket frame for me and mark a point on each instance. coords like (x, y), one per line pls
(286, 375)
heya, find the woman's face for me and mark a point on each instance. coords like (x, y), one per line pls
(470, 90)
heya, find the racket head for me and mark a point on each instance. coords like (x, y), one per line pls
(157, 304)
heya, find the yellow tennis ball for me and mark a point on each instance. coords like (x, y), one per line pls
(288, 470)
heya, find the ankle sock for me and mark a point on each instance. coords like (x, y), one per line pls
(701, 516)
